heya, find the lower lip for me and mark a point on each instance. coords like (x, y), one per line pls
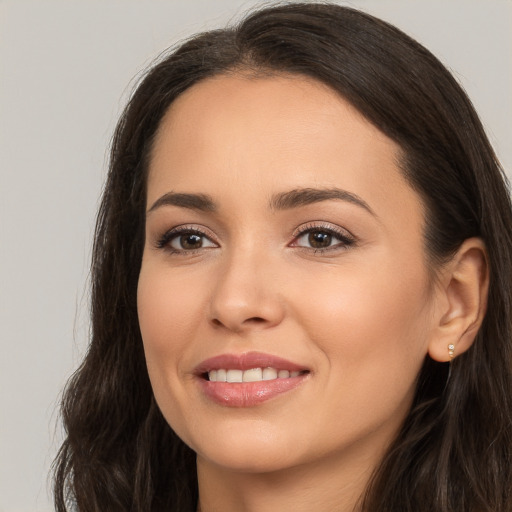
(248, 394)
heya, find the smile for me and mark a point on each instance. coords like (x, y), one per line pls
(249, 379)
(252, 375)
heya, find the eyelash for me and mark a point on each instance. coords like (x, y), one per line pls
(345, 239)
(164, 242)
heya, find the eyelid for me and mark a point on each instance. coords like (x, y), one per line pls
(346, 237)
(163, 241)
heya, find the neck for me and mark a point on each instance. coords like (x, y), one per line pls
(326, 486)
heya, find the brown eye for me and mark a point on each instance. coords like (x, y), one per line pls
(319, 239)
(190, 241)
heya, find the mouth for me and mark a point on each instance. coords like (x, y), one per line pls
(246, 380)
(251, 375)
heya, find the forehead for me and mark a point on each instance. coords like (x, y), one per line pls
(241, 135)
(282, 111)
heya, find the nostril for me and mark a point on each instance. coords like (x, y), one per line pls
(255, 320)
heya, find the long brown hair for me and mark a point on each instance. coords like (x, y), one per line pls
(454, 451)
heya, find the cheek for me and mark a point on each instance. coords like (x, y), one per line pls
(166, 306)
(169, 313)
(372, 334)
(168, 316)
(372, 320)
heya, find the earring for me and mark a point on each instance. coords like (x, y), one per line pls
(451, 350)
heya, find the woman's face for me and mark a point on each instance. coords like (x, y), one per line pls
(283, 248)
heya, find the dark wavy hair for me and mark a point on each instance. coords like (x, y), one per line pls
(454, 451)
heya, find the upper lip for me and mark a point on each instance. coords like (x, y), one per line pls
(247, 361)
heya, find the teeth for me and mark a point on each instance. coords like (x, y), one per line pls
(252, 375)
(269, 374)
(234, 376)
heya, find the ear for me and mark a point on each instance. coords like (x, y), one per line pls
(462, 301)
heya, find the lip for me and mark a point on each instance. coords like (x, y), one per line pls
(248, 394)
(247, 361)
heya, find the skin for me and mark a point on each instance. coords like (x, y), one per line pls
(361, 316)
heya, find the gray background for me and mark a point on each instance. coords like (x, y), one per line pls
(65, 73)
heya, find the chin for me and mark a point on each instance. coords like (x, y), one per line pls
(249, 461)
(256, 450)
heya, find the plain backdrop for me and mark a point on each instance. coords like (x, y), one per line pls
(65, 73)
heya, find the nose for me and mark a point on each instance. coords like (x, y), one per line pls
(246, 295)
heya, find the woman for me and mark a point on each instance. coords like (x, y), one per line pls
(301, 283)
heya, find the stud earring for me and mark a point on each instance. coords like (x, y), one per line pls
(451, 350)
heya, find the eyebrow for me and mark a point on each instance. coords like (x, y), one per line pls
(200, 202)
(282, 201)
(304, 196)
